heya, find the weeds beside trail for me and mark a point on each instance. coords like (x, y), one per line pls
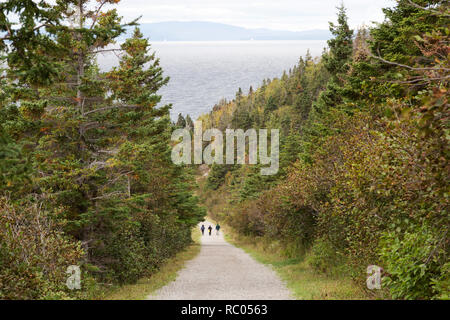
(222, 271)
(300, 278)
(292, 266)
(168, 272)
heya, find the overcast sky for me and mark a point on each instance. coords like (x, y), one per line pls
(294, 15)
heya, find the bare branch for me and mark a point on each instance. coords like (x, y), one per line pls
(98, 165)
(94, 19)
(109, 195)
(107, 50)
(120, 175)
(9, 29)
(428, 9)
(406, 66)
(112, 108)
(111, 152)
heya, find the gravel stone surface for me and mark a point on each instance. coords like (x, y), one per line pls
(223, 272)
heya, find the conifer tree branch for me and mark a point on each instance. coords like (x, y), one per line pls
(436, 12)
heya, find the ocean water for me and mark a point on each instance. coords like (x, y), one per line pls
(203, 73)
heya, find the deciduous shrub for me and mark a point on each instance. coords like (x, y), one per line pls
(414, 259)
(34, 253)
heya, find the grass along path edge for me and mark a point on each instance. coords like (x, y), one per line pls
(297, 274)
(166, 274)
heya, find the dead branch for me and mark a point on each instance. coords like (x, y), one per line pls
(112, 108)
(406, 66)
(436, 12)
(94, 19)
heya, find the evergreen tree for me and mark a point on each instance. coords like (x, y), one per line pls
(238, 97)
(143, 159)
(337, 61)
(78, 136)
(340, 46)
(189, 122)
(99, 147)
(181, 122)
(24, 69)
(395, 40)
(14, 166)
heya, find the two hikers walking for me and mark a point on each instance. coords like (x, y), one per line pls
(210, 228)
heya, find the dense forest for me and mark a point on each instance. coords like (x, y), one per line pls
(86, 176)
(364, 171)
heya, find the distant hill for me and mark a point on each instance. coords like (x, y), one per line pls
(211, 31)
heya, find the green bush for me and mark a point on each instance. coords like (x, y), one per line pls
(412, 260)
(441, 285)
(324, 257)
(34, 254)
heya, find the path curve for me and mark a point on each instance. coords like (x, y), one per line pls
(223, 272)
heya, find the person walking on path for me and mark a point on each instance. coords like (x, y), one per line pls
(203, 229)
(210, 230)
(217, 229)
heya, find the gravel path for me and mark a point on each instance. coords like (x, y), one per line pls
(223, 272)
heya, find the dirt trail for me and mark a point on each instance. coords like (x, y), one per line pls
(223, 272)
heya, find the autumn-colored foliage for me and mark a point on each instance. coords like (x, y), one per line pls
(85, 174)
(364, 173)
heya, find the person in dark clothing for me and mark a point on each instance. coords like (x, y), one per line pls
(217, 229)
(203, 229)
(210, 230)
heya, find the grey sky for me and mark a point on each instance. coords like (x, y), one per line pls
(295, 15)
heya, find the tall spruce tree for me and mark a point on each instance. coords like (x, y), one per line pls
(28, 61)
(160, 210)
(99, 146)
(181, 122)
(76, 143)
(189, 122)
(337, 61)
